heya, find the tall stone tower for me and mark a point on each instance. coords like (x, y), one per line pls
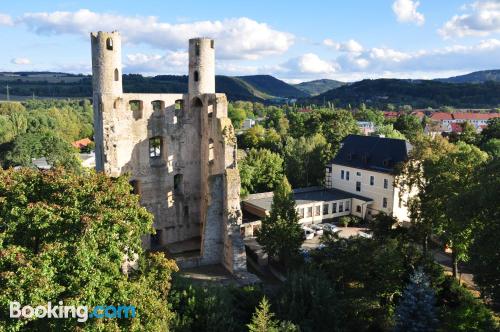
(201, 66)
(106, 82)
(180, 153)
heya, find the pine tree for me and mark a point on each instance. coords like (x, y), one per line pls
(281, 234)
(263, 320)
(416, 312)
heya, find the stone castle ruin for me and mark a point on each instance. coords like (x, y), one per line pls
(180, 152)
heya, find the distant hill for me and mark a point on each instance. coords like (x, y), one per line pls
(475, 77)
(418, 93)
(47, 84)
(314, 88)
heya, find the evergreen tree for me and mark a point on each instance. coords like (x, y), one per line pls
(416, 311)
(281, 234)
(263, 320)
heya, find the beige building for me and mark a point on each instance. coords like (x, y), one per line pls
(366, 165)
(358, 181)
(180, 152)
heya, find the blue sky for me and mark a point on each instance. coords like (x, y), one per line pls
(292, 40)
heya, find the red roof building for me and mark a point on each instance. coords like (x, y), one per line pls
(81, 143)
(391, 115)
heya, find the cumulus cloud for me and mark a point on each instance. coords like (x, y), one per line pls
(406, 11)
(5, 19)
(482, 19)
(237, 38)
(21, 61)
(310, 63)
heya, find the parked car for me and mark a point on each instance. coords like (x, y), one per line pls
(330, 228)
(308, 232)
(317, 229)
(365, 235)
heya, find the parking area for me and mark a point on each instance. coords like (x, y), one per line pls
(344, 232)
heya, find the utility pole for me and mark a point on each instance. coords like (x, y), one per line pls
(8, 96)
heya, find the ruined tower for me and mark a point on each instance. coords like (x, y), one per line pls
(180, 153)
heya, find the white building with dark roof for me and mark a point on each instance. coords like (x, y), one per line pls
(366, 166)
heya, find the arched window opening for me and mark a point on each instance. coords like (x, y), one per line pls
(117, 75)
(155, 147)
(157, 105)
(196, 76)
(211, 153)
(197, 102)
(197, 49)
(212, 43)
(210, 111)
(109, 44)
(178, 184)
(136, 106)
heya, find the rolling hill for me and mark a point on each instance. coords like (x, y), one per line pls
(46, 84)
(475, 77)
(317, 87)
(418, 93)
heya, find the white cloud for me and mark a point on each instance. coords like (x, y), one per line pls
(406, 12)
(172, 62)
(236, 38)
(482, 19)
(350, 46)
(310, 63)
(21, 61)
(5, 19)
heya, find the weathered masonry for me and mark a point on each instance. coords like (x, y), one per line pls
(180, 151)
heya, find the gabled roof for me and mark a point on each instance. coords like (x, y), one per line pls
(373, 153)
(475, 116)
(439, 116)
(81, 143)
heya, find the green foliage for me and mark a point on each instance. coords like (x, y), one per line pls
(263, 320)
(57, 151)
(416, 312)
(305, 160)
(64, 237)
(460, 311)
(366, 114)
(389, 132)
(260, 171)
(409, 125)
(309, 299)
(281, 235)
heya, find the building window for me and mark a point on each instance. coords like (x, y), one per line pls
(178, 183)
(372, 180)
(196, 76)
(155, 147)
(399, 201)
(309, 211)
(347, 175)
(358, 173)
(117, 75)
(136, 107)
(347, 205)
(186, 211)
(358, 185)
(109, 44)
(197, 49)
(157, 105)
(358, 208)
(384, 202)
(210, 150)
(386, 183)
(342, 174)
(156, 238)
(301, 213)
(334, 207)
(325, 208)
(341, 207)
(170, 164)
(136, 187)
(212, 43)
(317, 210)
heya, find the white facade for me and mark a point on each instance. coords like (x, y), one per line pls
(317, 212)
(375, 185)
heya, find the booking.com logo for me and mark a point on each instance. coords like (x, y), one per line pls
(82, 313)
